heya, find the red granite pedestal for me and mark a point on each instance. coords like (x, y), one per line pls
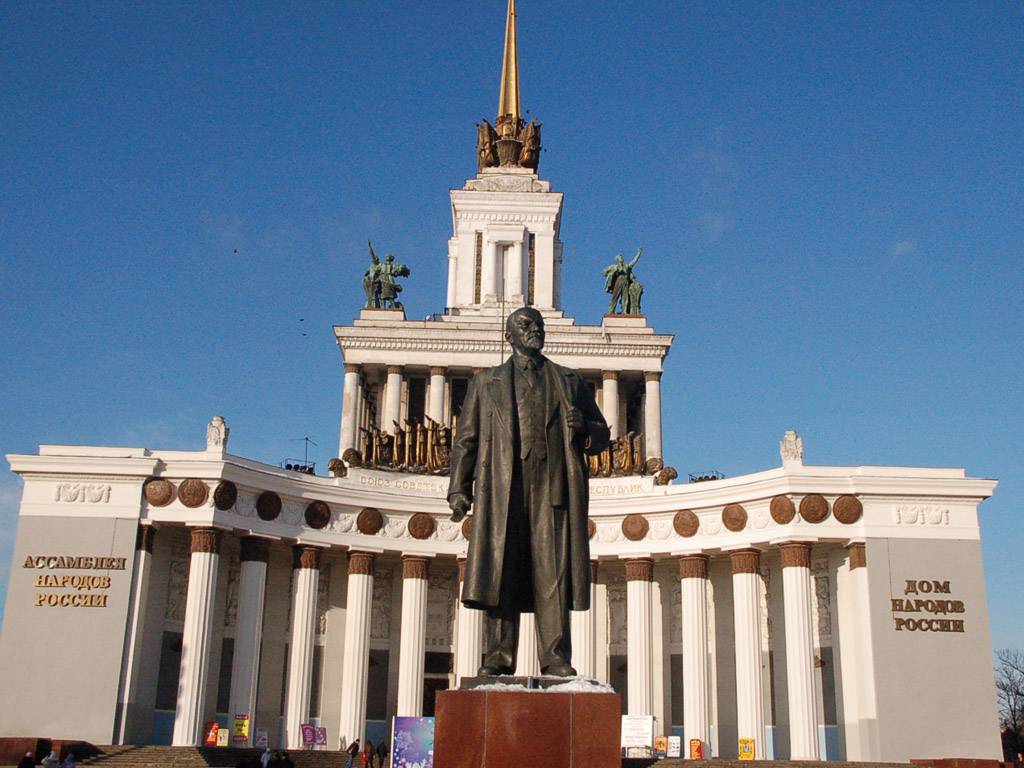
(506, 729)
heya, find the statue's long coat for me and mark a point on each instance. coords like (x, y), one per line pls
(481, 467)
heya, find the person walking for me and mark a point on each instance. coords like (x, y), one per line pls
(353, 750)
(51, 760)
(382, 753)
(27, 761)
(265, 757)
(368, 754)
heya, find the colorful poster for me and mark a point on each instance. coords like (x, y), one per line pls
(746, 749)
(661, 746)
(321, 736)
(412, 742)
(223, 737)
(210, 733)
(696, 750)
(308, 734)
(675, 746)
(241, 729)
(262, 738)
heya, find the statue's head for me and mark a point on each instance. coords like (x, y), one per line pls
(389, 258)
(524, 330)
(618, 259)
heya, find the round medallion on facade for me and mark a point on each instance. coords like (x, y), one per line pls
(225, 495)
(370, 521)
(159, 492)
(467, 527)
(193, 492)
(686, 523)
(318, 514)
(268, 505)
(635, 527)
(591, 528)
(813, 508)
(782, 509)
(734, 517)
(421, 526)
(847, 509)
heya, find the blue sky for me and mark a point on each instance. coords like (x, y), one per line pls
(828, 196)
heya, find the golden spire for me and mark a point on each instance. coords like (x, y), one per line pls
(508, 101)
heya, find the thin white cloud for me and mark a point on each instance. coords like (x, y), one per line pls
(903, 248)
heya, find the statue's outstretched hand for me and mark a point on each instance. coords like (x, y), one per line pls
(460, 504)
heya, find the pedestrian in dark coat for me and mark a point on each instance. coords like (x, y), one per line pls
(27, 761)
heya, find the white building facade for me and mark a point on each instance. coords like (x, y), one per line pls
(824, 612)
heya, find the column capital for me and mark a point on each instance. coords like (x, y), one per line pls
(796, 554)
(437, 370)
(609, 375)
(415, 566)
(652, 375)
(593, 571)
(640, 569)
(255, 550)
(693, 566)
(745, 561)
(304, 557)
(462, 569)
(858, 555)
(144, 538)
(206, 540)
(351, 368)
(360, 563)
(395, 369)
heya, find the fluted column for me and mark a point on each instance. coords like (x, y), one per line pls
(189, 710)
(527, 659)
(693, 579)
(305, 578)
(435, 406)
(469, 642)
(490, 274)
(746, 601)
(857, 664)
(640, 669)
(132, 652)
(412, 650)
(796, 590)
(355, 664)
(393, 405)
(245, 665)
(583, 629)
(349, 409)
(652, 414)
(610, 401)
(515, 272)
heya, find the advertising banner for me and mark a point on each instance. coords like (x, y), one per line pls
(241, 729)
(696, 750)
(308, 734)
(210, 733)
(675, 746)
(412, 742)
(262, 738)
(637, 731)
(661, 746)
(746, 749)
(223, 737)
(321, 736)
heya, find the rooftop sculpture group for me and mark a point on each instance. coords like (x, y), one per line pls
(622, 284)
(511, 142)
(379, 281)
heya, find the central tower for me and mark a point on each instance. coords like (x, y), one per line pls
(505, 252)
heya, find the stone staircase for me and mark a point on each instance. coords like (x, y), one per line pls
(200, 757)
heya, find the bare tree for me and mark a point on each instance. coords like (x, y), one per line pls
(1010, 695)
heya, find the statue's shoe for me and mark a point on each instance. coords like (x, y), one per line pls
(559, 669)
(488, 671)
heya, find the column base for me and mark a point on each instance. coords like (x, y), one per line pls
(495, 729)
